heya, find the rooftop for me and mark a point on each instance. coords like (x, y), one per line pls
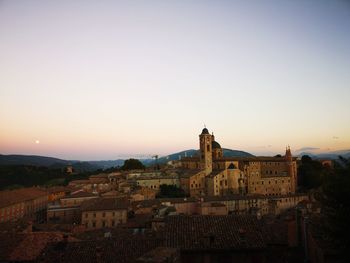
(10, 197)
(213, 232)
(80, 194)
(104, 204)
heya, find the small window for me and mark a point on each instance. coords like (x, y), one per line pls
(103, 214)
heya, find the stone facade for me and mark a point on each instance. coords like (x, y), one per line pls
(26, 202)
(218, 175)
(104, 212)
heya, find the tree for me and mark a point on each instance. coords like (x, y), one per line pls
(335, 197)
(170, 191)
(311, 173)
(132, 164)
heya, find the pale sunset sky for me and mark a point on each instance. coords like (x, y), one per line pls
(94, 80)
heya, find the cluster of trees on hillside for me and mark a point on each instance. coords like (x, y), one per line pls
(332, 189)
(18, 176)
(311, 173)
(335, 198)
(132, 164)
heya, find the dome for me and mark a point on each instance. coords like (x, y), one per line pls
(215, 145)
(205, 131)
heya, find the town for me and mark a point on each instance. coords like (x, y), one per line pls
(207, 207)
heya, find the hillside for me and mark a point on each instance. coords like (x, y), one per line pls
(82, 166)
(192, 152)
(35, 160)
(327, 155)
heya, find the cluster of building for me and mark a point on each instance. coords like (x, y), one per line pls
(215, 175)
(231, 206)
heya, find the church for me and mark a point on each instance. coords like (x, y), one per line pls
(212, 174)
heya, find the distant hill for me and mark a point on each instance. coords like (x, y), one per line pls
(55, 163)
(327, 155)
(107, 164)
(34, 160)
(192, 152)
(82, 166)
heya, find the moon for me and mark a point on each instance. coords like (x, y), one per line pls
(37, 141)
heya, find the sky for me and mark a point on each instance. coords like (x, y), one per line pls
(94, 80)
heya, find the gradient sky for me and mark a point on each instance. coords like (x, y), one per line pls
(99, 79)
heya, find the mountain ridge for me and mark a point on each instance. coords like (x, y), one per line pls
(38, 160)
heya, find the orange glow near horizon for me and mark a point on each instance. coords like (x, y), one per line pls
(97, 81)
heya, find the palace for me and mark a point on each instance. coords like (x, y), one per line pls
(212, 174)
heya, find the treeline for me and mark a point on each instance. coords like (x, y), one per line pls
(26, 175)
(331, 187)
(311, 173)
(17, 176)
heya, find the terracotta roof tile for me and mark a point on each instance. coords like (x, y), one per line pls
(10, 197)
(101, 204)
(213, 232)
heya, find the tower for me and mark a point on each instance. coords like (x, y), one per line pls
(292, 170)
(205, 146)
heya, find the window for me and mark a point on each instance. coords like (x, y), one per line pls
(208, 148)
(113, 223)
(93, 224)
(86, 215)
(94, 214)
(113, 213)
(103, 223)
(103, 214)
(226, 182)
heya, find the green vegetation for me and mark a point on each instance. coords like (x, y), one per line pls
(332, 190)
(17, 176)
(335, 197)
(132, 164)
(170, 191)
(311, 173)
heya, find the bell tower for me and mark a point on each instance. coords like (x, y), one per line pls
(292, 170)
(205, 146)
